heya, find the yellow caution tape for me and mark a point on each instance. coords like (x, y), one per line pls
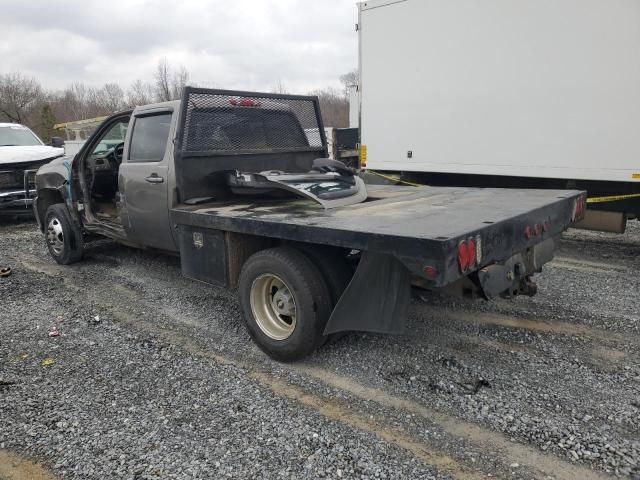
(395, 179)
(613, 198)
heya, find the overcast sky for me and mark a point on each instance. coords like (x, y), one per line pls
(243, 44)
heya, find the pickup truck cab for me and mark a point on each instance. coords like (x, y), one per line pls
(232, 182)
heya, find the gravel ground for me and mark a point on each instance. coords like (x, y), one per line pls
(153, 376)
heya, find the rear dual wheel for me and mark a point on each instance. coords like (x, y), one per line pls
(286, 302)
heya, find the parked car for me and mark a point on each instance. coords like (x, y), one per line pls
(21, 154)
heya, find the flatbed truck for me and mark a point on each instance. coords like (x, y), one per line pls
(167, 176)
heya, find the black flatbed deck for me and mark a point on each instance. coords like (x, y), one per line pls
(412, 223)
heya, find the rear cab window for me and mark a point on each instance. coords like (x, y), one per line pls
(229, 129)
(149, 137)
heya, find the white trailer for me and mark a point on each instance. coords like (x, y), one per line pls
(505, 92)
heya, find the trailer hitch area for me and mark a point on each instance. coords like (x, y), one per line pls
(527, 287)
(502, 279)
(513, 276)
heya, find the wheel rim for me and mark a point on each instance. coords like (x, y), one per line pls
(273, 306)
(55, 236)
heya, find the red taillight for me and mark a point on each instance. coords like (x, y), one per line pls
(430, 272)
(468, 254)
(471, 252)
(244, 102)
(579, 209)
(463, 256)
(583, 206)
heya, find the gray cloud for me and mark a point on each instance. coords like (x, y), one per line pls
(249, 44)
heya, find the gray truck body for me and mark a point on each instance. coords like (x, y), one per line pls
(176, 202)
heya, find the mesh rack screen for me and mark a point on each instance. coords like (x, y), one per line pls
(220, 122)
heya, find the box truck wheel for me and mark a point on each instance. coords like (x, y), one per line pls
(285, 301)
(64, 238)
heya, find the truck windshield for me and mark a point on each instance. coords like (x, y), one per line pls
(233, 129)
(17, 135)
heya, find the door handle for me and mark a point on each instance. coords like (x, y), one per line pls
(155, 178)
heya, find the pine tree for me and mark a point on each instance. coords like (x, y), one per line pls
(47, 121)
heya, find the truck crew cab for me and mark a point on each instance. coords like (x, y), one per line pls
(237, 184)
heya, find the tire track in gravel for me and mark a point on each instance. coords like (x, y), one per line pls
(610, 349)
(581, 265)
(543, 465)
(14, 467)
(600, 356)
(337, 412)
(329, 408)
(532, 325)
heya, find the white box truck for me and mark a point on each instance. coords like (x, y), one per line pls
(501, 93)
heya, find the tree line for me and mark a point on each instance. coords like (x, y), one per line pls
(24, 100)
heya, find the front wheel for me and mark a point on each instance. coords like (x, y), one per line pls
(285, 301)
(64, 238)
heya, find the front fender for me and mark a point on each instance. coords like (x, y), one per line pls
(53, 185)
(54, 174)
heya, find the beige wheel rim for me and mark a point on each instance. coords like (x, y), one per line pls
(273, 306)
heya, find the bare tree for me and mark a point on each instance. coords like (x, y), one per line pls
(163, 81)
(111, 98)
(349, 79)
(178, 81)
(23, 100)
(18, 95)
(279, 88)
(169, 83)
(77, 99)
(140, 93)
(334, 107)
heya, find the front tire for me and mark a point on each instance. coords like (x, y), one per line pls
(63, 237)
(285, 301)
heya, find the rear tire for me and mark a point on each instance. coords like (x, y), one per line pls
(334, 268)
(337, 273)
(285, 301)
(63, 237)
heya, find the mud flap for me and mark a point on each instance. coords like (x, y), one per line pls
(376, 300)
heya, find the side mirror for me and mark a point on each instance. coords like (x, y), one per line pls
(57, 142)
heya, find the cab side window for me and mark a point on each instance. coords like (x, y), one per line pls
(149, 138)
(111, 139)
